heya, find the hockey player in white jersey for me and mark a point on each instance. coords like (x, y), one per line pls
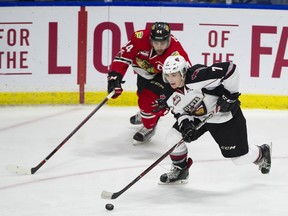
(194, 93)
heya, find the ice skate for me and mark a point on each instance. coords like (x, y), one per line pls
(265, 161)
(136, 119)
(143, 135)
(177, 175)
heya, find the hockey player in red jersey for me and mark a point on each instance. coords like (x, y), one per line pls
(146, 52)
(193, 94)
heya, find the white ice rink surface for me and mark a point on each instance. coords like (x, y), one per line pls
(100, 156)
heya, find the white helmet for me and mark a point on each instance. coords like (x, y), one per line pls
(174, 64)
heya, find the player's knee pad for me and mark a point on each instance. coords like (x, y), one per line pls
(145, 100)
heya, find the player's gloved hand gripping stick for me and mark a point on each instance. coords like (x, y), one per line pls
(22, 170)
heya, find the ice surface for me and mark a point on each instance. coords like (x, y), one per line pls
(100, 156)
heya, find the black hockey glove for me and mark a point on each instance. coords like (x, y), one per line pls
(226, 101)
(159, 107)
(187, 130)
(114, 83)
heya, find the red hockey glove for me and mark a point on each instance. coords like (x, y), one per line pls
(160, 107)
(114, 83)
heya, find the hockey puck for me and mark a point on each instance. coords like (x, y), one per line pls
(109, 206)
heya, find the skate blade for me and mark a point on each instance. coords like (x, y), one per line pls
(179, 182)
(135, 142)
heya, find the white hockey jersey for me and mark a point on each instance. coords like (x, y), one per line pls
(190, 102)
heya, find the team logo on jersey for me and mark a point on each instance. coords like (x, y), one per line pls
(144, 64)
(196, 107)
(176, 100)
(200, 110)
(139, 34)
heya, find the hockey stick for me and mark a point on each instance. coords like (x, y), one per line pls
(110, 195)
(22, 170)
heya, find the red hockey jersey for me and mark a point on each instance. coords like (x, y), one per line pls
(138, 53)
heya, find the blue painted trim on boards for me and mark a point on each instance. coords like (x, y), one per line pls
(140, 4)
